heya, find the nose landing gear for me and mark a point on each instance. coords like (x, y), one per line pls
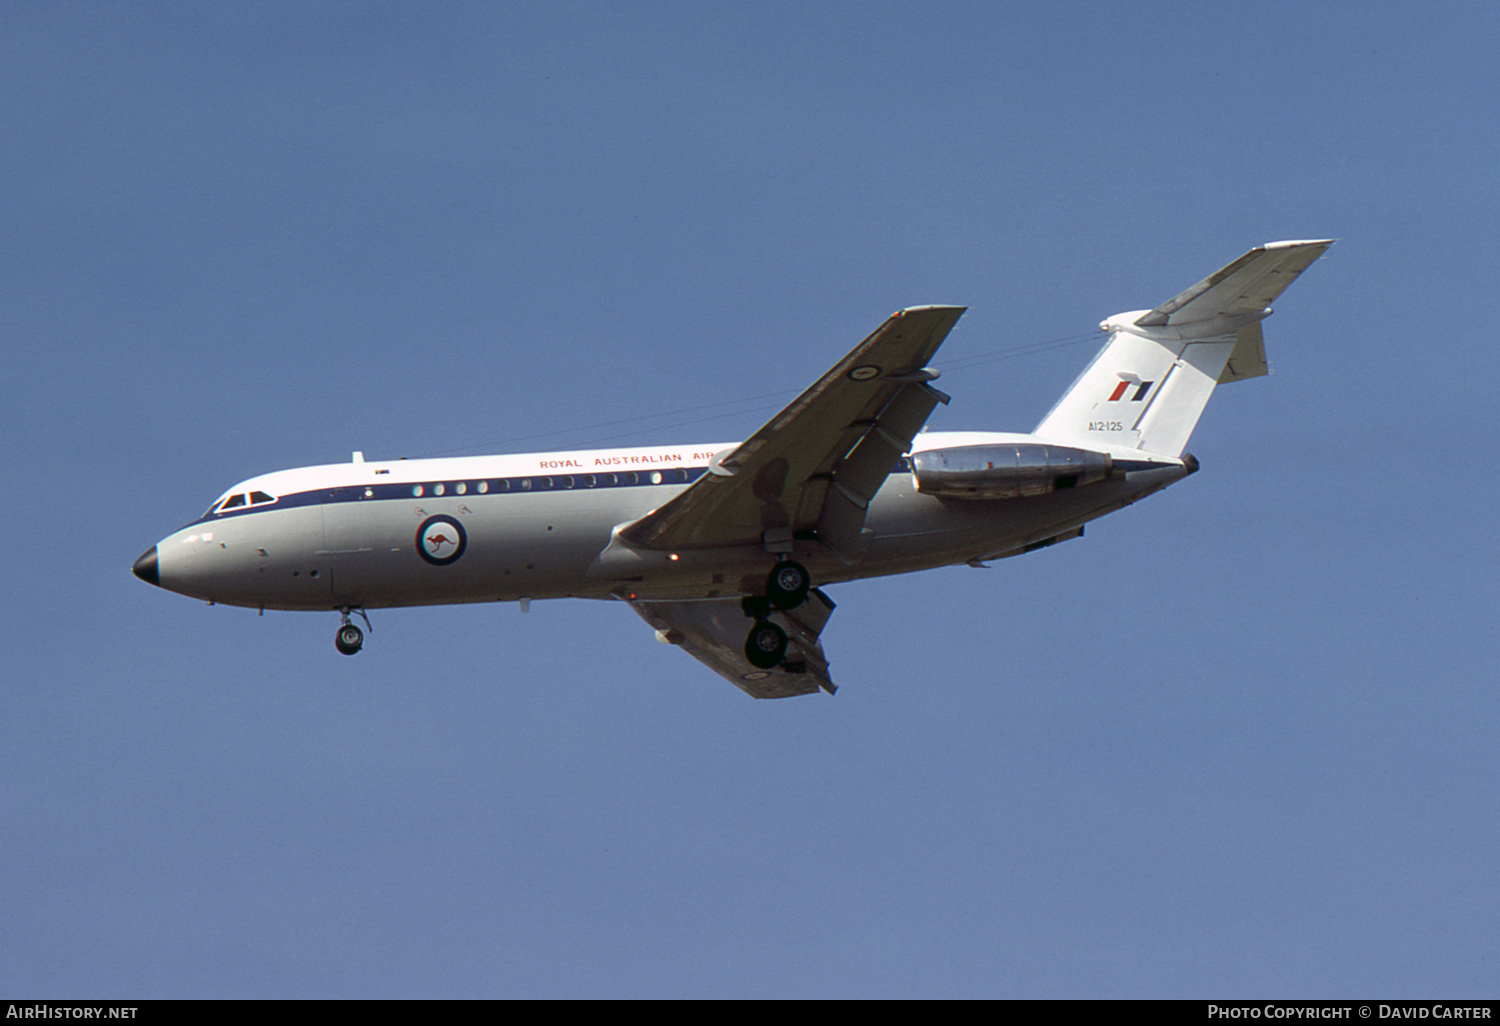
(350, 639)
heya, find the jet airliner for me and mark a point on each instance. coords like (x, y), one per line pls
(725, 548)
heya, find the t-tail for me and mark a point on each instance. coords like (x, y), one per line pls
(1148, 385)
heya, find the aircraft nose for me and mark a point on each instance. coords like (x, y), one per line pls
(145, 567)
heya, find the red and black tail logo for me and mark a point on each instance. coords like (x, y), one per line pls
(1141, 388)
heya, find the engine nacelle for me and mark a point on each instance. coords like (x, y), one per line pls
(1006, 471)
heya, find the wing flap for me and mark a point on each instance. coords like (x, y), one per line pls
(713, 632)
(860, 474)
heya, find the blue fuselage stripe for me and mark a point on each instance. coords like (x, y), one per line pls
(530, 484)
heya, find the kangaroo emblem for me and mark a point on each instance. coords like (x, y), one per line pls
(441, 540)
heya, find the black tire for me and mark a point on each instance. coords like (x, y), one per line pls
(788, 584)
(349, 640)
(766, 645)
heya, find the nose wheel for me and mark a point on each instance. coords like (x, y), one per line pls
(350, 639)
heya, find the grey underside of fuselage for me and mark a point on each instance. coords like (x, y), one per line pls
(538, 546)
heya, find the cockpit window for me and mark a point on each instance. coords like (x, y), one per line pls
(232, 502)
(256, 498)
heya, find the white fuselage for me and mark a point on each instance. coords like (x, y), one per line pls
(542, 525)
(724, 549)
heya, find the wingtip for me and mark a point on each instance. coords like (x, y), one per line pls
(1297, 243)
(936, 307)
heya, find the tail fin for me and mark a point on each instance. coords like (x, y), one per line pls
(1150, 382)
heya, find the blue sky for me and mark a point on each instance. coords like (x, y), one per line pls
(1239, 740)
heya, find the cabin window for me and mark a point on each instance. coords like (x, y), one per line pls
(461, 488)
(656, 477)
(484, 487)
(588, 480)
(525, 484)
(565, 481)
(416, 490)
(438, 489)
(628, 477)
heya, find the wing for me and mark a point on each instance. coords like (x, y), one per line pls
(713, 632)
(815, 465)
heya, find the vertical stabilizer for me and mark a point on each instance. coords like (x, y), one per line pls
(1150, 382)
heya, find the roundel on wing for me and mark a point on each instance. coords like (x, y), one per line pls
(441, 540)
(864, 373)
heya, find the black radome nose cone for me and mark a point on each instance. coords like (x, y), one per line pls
(145, 567)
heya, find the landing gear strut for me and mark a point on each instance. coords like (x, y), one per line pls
(350, 639)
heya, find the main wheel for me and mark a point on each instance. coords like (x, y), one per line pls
(766, 645)
(349, 640)
(788, 584)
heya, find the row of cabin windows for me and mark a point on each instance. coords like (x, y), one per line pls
(242, 500)
(559, 481)
(679, 475)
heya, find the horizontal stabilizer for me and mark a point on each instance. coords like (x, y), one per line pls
(1247, 286)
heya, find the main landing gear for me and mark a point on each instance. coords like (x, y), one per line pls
(350, 639)
(786, 588)
(788, 584)
(766, 645)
